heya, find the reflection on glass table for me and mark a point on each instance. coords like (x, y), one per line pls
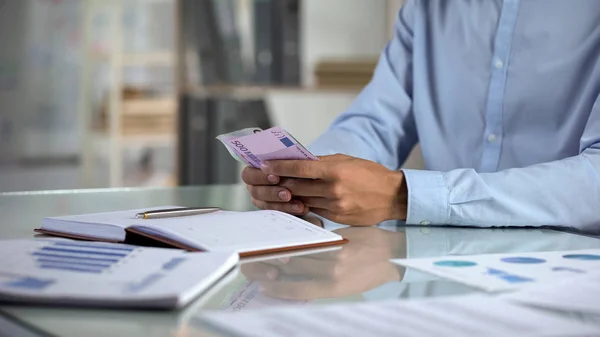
(360, 265)
(355, 272)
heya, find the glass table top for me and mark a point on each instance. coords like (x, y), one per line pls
(359, 271)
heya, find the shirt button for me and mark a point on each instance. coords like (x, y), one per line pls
(425, 230)
(425, 223)
(499, 64)
(492, 138)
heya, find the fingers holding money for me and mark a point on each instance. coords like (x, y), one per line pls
(266, 194)
(255, 177)
(293, 207)
(264, 187)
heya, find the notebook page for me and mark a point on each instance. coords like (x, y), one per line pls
(122, 219)
(110, 225)
(239, 231)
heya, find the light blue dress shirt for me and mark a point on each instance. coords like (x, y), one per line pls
(503, 97)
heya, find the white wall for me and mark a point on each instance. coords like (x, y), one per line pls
(341, 28)
(307, 114)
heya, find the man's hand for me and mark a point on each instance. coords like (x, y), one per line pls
(340, 188)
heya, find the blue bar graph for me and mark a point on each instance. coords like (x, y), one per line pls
(96, 259)
(74, 262)
(81, 257)
(94, 245)
(72, 268)
(80, 251)
(29, 283)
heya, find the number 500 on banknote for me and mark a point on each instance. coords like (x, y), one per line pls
(253, 146)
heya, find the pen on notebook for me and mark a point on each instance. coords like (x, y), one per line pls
(175, 212)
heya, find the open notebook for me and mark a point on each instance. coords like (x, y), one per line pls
(67, 272)
(247, 233)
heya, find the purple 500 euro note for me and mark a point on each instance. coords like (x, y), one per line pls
(271, 144)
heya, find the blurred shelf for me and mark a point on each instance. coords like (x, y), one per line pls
(165, 58)
(140, 116)
(123, 122)
(253, 91)
(136, 140)
(120, 1)
(354, 72)
(149, 106)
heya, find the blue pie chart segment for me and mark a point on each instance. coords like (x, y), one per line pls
(454, 263)
(523, 260)
(589, 257)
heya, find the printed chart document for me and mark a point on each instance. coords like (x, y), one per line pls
(449, 316)
(575, 294)
(247, 233)
(504, 272)
(59, 271)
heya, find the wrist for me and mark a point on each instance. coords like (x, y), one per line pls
(399, 196)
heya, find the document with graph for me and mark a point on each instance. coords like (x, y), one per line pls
(65, 272)
(511, 271)
(247, 233)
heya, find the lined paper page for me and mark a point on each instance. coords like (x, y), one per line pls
(121, 219)
(240, 231)
(109, 225)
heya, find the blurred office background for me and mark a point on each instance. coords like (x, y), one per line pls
(129, 93)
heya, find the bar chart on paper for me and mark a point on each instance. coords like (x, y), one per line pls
(39, 265)
(106, 274)
(80, 257)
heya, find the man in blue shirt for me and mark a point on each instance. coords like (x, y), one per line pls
(504, 98)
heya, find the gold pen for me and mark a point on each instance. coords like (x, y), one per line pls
(175, 212)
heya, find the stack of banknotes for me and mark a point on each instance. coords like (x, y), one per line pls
(253, 146)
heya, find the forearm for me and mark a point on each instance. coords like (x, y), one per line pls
(373, 128)
(344, 141)
(564, 193)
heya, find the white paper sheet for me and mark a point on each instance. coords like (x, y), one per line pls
(239, 231)
(449, 316)
(106, 226)
(90, 273)
(503, 272)
(574, 294)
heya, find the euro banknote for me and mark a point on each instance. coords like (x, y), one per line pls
(253, 146)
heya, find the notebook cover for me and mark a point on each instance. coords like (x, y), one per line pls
(73, 236)
(253, 253)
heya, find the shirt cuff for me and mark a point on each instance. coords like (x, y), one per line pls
(427, 198)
